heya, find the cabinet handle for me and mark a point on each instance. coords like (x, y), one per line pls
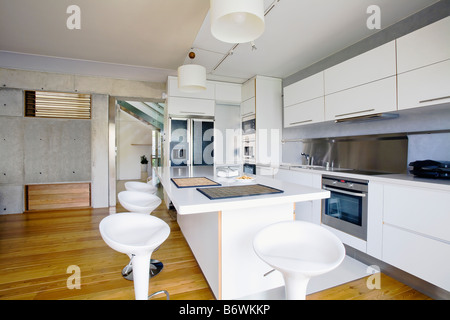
(352, 113)
(435, 99)
(190, 112)
(300, 122)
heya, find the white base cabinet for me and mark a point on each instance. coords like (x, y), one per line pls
(416, 238)
(420, 256)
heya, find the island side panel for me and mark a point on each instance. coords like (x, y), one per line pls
(201, 233)
(242, 271)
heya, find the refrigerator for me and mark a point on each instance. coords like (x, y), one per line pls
(191, 142)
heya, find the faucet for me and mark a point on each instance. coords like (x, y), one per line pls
(306, 157)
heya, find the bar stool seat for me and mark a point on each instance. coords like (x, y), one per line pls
(137, 235)
(299, 250)
(140, 202)
(140, 186)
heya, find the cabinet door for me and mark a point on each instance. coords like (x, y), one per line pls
(304, 90)
(425, 211)
(425, 86)
(228, 93)
(186, 106)
(372, 98)
(373, 65)
(425, 46)
(248, 107)
(423, 257)
(249, 89)
(304, 113)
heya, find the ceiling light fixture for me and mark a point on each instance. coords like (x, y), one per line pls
(191, 77)
(237, 21)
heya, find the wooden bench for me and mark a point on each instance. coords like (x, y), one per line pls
(40, 197)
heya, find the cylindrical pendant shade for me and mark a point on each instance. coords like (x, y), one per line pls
(237, 21)
(191, 78)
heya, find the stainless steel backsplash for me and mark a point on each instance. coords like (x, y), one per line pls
(380, 153)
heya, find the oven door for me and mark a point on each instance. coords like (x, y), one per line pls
(346, 210)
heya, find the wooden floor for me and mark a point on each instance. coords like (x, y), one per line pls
(36, 250)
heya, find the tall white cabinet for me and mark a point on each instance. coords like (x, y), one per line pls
(261, 97)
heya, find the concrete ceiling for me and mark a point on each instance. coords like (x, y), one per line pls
(149, 39)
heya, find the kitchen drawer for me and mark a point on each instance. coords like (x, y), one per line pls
(422, 257)
(425, 46)
(421, 210)
(304, 90)
(376, 97)
(304, 113)
(425, 86)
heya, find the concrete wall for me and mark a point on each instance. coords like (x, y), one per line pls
(36, 150)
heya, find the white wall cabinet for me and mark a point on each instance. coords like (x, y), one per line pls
(228, 93)
(423, 87)
(304, 113)
(304, 90)
(248, 107)
(424, 47)
(248, 89)
(304, 102)
(370, 66)
(423, 62)
(189, 106)
(375, 97)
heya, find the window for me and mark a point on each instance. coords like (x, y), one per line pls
(57, 105)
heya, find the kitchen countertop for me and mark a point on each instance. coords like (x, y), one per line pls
(404, 179)
(191, 201)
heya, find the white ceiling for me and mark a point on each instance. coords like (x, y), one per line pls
(149, 39)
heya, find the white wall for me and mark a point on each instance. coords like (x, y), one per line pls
(131, 132)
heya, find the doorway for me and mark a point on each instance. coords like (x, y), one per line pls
(135, 141)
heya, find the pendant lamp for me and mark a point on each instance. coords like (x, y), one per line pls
(237, 21)
(191, 77)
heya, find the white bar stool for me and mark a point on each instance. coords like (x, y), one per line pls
(144, 203)
(299, 250)
(137, 235)
(140, 186)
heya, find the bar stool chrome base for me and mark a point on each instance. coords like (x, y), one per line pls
(155, 268)
(158, 292)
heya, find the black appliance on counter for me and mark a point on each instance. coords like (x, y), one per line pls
(249, 168)
(430, 169)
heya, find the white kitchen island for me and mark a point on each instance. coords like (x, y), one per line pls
(220, 232)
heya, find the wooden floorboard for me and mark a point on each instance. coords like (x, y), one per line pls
(37, 248)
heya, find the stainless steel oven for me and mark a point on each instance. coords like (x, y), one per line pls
(346, 209)
(249, 146)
